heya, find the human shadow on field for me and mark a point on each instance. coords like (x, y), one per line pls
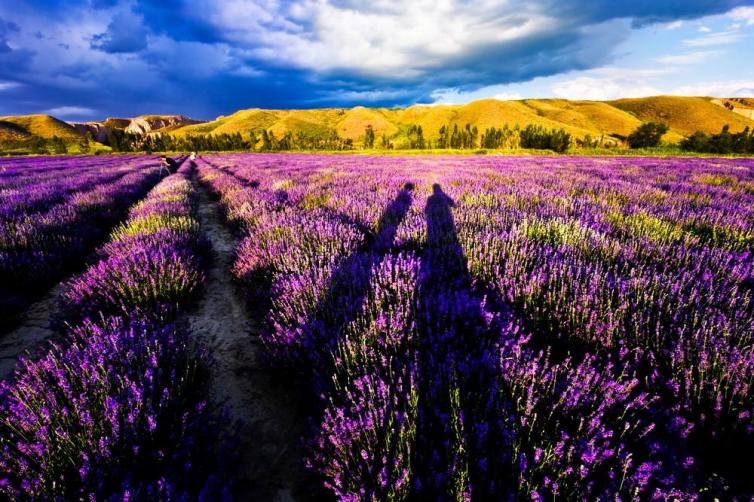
(444, 263)
(349, 285)
(453, 334)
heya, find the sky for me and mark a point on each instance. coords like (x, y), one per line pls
(90, 59)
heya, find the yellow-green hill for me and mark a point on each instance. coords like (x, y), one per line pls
(741, 106)
(44, 126)
(684, 115)
(353, 123)
(618, 118)
(586, 115)
(242, 121)
(12, 132)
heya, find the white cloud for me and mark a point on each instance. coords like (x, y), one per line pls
(728, 89)
(458, 97)
(507, 96)
(743, 14)
(248, 71)
(605, 88)
(390, 39)
(719, 38)
(70, 111)
(705, 29)
(4, 86)
(449, 97)
(610, 83)
(688, 58)
(674, 25)
(368, 96)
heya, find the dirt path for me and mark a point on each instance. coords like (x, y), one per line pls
(34, 327)
(271, 465)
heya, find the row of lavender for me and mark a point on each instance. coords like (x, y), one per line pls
(49, 221)
(15, 169)
(116, 409)
(32, 191)
(511, 326)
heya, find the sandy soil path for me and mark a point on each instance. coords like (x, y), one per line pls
(271, 465)
(34, 327)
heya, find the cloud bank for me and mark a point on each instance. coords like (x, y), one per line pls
(209, 57)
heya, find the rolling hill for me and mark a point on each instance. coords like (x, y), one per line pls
(742, 106)
(617, 118)
(684, 115)
(10, 131)
(44, 126)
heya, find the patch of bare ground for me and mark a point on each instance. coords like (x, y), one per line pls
(272, 422)
(35, 326)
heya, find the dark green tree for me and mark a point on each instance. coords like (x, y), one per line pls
(84, 143)
(266, 143)
(697, 142)
(38, 145)
(647, 135)
(386, 142)
(58, 146)
(369, 137)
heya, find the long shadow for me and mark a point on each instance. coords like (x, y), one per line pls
(444, 264)
(453, 335)
(349, 285)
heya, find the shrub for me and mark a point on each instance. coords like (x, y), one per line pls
(647, 135)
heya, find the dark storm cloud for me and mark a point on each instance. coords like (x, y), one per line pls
(12, 60)
(643, 12)
(104, 4)
(125, 33)
(6, 28)
(208, 57)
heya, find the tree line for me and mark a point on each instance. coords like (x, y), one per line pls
(468, 137)
(646, 135)
(38, 145)
(724, 142)
(264, 141)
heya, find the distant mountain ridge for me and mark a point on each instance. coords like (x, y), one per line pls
(616, 119)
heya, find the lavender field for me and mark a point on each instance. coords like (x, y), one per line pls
(273, 326)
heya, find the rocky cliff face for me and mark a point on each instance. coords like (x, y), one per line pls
(98, 130)
(138, 125)
(150, 123)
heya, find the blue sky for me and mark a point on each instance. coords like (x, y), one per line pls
(85, 60)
